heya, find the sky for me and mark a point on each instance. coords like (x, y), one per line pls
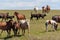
(28, 4)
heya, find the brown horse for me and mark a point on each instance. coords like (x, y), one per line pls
(22, 24)
(16, 27)
(6, 26)
(46, 10)
(19, 16)
(56, 18)
(4, 16)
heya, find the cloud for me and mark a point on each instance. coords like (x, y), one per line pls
(28, 4)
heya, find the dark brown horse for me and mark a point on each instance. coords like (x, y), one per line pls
(37, 16)
(19, 16)
(6, 26)
(56, 18)
(4, 15)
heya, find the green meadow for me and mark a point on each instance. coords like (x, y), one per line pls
(37, 27)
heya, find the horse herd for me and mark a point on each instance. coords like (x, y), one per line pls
(23, 23)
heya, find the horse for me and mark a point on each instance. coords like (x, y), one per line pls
(37, 16)
(6, 26)
(24, 24)
(16, 27)
(43, 10)
(4, 15)
(36, 9)
(10, 17)
(53, 23)
(56, 18)
(19, 16)
(46, 9)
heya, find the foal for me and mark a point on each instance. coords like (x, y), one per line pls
(53, 23)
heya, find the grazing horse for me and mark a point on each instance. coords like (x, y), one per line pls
(53, 23)
(6, 26)
(56, 18)
(37, 16)
(4, 15)
(19, 16)
(24, 24)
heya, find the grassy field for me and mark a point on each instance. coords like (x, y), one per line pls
(37, 27)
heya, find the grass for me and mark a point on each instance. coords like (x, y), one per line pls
(37, 27)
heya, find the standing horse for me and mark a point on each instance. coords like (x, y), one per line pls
(46, 9)
(19, 16)
(16, 28)
(4, 15)
(43, 10)
(36, 9)
(24, 24)
(56, 18)
(6, 26)
(53, 23)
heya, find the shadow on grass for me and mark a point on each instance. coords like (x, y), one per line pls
(58, 29)
(8, 37)
(48, 31)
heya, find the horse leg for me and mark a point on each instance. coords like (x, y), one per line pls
(1, 32)
(31, 18)
(37, 18)
(8, 31)
(2, 19)
(46, 27)
(23, 31)
(19, 31)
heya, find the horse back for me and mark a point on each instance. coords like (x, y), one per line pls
(3, 25)
(24, 25)
(21, 16)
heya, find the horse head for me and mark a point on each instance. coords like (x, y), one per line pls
(55, 26)
(15, 13)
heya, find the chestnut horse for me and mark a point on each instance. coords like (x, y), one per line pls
(19, 16)
(53, 23)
